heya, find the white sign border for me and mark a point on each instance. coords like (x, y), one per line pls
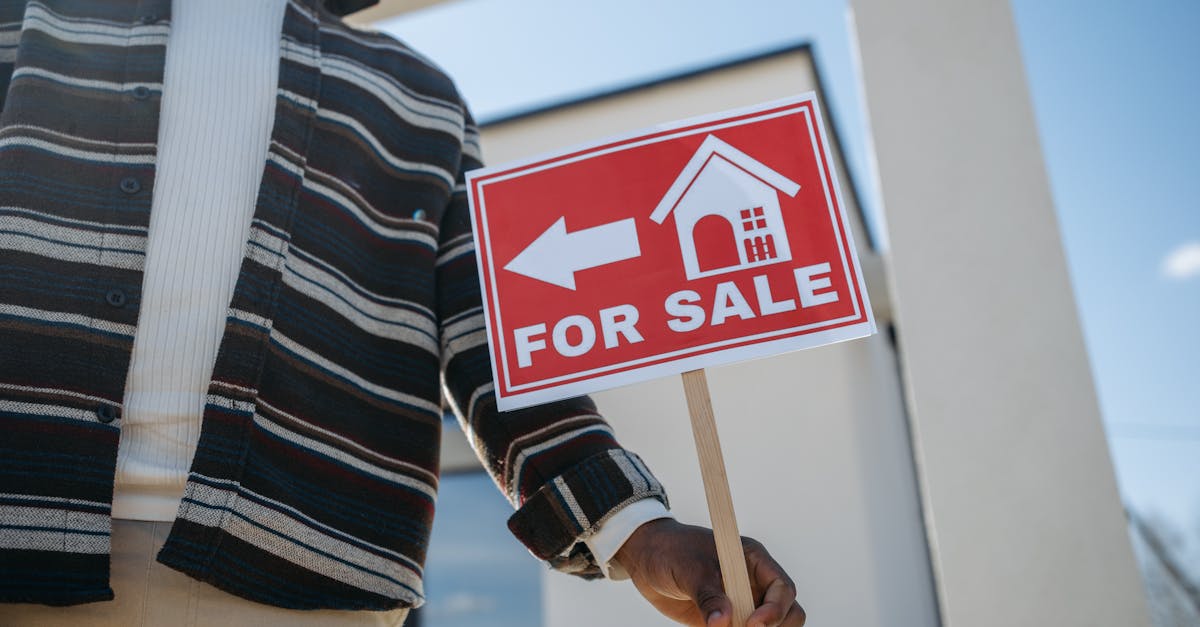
(634, 373)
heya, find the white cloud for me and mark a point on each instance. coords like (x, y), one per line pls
(1182, 263)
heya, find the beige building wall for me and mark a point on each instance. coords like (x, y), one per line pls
(1021, 504)
(816, 442)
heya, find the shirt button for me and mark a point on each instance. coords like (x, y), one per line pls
(116, 298)
(141, 92)
(148, 19)
(106, 413)
(419, 214)
(130, 185)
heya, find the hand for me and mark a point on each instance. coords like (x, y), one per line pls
(675, 567)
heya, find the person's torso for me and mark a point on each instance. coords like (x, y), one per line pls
(321, 424)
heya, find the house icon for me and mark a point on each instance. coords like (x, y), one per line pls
(727, 215)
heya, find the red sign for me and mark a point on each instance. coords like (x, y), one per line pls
(701, 242)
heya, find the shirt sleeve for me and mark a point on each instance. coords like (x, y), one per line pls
(612, 534)
(559, 463)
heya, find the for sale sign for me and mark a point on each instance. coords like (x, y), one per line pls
(701, 242)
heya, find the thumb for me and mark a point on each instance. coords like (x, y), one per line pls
(715, 607)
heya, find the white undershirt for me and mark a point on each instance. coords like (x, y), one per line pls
(218, 108)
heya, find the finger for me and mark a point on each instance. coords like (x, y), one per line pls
(795, 617)
(776, 603)
(767, 576)
(772, 587)
(714, 606)
(761, 566)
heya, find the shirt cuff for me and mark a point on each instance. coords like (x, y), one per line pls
(611, 535)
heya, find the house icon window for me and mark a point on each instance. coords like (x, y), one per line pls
(760, 242)
(727, 214)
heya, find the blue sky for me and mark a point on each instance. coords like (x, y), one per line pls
(1115, 87)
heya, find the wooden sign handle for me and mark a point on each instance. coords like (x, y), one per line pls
(720, 503)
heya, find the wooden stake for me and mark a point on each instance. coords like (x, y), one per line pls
(720, 503)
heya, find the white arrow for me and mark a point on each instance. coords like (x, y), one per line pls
(555, 256)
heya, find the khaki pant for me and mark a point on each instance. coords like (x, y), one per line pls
(149, 594)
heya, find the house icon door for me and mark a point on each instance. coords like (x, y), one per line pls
(726, 208)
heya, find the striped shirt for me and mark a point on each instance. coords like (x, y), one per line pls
(355, 311)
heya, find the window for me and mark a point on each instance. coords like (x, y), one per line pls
(476, 573)
(753, 220)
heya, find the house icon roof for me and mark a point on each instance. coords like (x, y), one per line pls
(708, 149)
